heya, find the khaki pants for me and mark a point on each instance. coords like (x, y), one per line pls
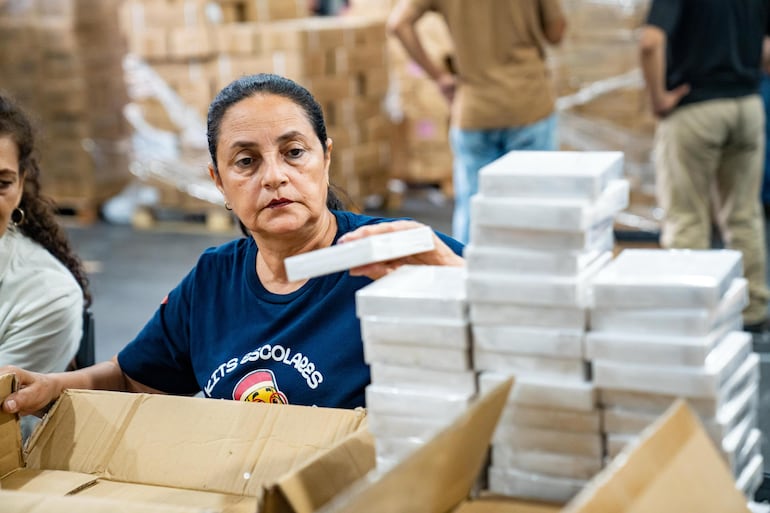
(713, 152)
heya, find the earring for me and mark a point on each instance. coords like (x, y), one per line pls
(227, 206)
(18, 217)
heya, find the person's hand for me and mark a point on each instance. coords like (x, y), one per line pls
(36, 392)
(441, 254)
(447, 84)
(666, 102)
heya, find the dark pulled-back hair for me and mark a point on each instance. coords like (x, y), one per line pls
(39, 222)
(267, 83)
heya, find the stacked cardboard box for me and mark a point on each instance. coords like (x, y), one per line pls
(62, 60)
(421, 153)
(541, 227)
(665, 324)
(603, 103)
(414, 325)
(342, 61)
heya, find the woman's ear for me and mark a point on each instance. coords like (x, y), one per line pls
(328, 157)
(216, 178)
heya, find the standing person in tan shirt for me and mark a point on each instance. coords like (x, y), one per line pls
(502, 97)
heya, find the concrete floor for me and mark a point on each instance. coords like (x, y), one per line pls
(133, 270)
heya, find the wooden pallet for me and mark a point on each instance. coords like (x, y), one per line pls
(213, 220)
(83, 211)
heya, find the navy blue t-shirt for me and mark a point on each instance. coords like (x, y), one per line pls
(713, 45)
(222, 332)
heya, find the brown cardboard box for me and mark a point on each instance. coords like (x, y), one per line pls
(222, 456)
(39, 503)
(673, 468)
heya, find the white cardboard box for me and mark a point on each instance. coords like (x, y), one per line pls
(525, 485)
(657, 349)
(492, 314)
(657, 278)
(654, 403)
(551, 418)
(532, 261)
(407, 355)
(566, 174)
(544, 392)
(376, 248)
(403, 402)
(705, 381)
(673, 321)
(422, 291)
(424, 379)
(522, 340)
(564, 240)
(572, 369)
(549, 214)
(560, 291)
(443, 333)
(548, 463)
(548, 440)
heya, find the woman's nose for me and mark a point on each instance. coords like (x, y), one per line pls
(274, 173)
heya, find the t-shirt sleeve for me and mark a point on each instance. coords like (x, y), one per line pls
(453, 244)
(46, 336)
(159, 357)
(665, 14)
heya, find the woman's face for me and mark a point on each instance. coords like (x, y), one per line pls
(11, 183)
(272, 168)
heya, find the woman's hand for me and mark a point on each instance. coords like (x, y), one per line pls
(441, 254)
(36, 391)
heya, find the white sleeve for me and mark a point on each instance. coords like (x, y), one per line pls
(44, 328)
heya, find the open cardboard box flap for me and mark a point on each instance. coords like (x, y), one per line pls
(673, 468)
(437, 476)
(229, 455)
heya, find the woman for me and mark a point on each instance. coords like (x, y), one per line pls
(235, 327)
(42, 283)
(43, 288)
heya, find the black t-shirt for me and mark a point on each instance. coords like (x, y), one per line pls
(713, 45)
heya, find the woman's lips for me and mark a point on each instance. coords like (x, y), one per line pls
(278, 203)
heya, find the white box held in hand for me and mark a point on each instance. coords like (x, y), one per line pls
(376, 248)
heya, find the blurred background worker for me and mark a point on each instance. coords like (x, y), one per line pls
(502, 97)
(701, 61)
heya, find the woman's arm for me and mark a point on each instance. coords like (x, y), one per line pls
(37, 391)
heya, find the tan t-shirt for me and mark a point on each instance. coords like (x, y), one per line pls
(500, 58)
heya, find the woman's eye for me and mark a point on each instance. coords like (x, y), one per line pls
(244, 162)
(5, 184)
(295, 153)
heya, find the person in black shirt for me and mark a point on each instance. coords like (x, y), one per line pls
(701, 61)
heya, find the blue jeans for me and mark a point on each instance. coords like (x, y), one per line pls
(765, 91)
(474, 149)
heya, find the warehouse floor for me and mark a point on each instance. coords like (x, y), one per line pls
(131, 271)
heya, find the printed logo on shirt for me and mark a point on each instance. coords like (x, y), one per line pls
(268, 352)
(259, 386)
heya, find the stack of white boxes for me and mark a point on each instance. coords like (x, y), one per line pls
(541, 228)
(414, 324)
(665, 324)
